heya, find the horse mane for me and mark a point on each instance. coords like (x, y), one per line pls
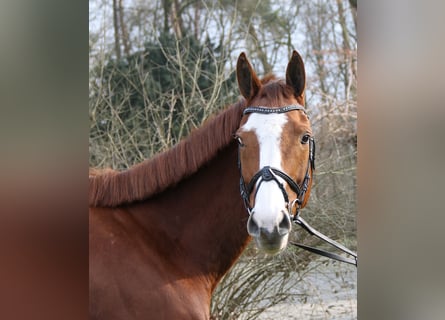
(110, 188)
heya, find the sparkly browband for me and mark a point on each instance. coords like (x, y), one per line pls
(265, 110)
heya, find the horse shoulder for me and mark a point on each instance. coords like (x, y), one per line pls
(130, 280)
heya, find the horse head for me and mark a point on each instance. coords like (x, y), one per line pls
(276, 151)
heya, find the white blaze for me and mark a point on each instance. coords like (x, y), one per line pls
(269, 201)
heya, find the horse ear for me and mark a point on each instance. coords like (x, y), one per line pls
(248, 82)
(295, 74)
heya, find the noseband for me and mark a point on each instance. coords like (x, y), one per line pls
(268, 173)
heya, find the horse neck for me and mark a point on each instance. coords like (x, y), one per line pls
(203, 219)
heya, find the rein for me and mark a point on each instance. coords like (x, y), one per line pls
(268, 173)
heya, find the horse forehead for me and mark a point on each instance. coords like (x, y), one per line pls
(266, 125)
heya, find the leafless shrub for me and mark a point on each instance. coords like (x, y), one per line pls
(256, 283)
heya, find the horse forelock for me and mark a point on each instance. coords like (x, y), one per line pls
(109, 188)
(275, 93)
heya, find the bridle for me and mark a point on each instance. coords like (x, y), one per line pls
(268, 173)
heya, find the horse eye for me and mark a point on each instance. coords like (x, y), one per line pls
(305, 139)
(239, 140)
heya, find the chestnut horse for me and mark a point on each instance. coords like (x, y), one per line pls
(163, 233)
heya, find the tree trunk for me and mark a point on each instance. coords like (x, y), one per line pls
(117, 46)
(353, 4)
(262, 56)
(167, 8)
(347, 54)
(125, 37)
(177, 20)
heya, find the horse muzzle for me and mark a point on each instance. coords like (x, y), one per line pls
(270, 240)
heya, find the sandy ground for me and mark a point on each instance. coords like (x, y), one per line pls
(328, 291)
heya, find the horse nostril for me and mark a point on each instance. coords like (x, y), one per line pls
(285, 225)
(252, 227)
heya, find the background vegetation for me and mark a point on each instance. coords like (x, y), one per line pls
(159, 68)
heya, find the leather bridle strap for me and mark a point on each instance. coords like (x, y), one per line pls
(265, 110)
(300, 221)
(268, 173)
